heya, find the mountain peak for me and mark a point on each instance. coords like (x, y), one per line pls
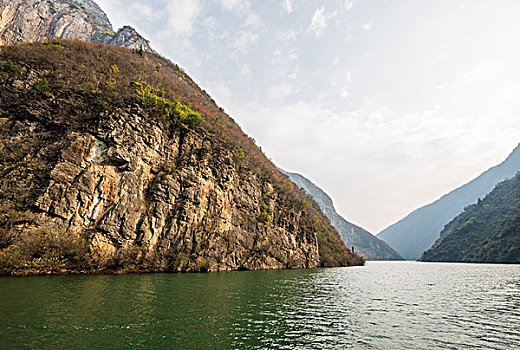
(128, 37)
(33, 20)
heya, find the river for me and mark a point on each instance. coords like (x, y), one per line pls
(383, 305)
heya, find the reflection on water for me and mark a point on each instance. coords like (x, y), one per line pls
(384, 305)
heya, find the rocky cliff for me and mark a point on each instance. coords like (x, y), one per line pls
(112, 159)
(40, 20)
(364, 243)
(487, 231)
(418, 231)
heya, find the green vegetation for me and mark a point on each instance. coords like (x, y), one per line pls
(42, 86)
(332, 249)
(488, 231)
(179, 111)
(55, 46)
(11, 67)
(265, 215)
(43, 249)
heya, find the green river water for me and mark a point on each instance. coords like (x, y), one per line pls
(384, 305)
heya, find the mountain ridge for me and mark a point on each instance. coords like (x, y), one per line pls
(419, 230)
(487, 231)
(364, 243)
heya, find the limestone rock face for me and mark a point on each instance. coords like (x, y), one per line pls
(128, 37)
(126, 183)
(40, 20)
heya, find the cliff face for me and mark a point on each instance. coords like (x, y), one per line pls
(364, 243)
(418, 231)
(40, 20)
(488, 231)
(98, 171)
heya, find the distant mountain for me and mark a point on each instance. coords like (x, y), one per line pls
(364, 243)
(36, 20)
(418, 231)
(488, 231)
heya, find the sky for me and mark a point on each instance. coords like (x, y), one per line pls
(385, 105)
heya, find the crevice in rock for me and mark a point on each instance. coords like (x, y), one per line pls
(36, 209)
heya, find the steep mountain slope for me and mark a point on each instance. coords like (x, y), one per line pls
(115, 159)
(418, 231)
(39, 20)
(364, 243)
(488, 231)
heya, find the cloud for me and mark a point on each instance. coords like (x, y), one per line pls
(280, 91)
(348, 76)
(240, 7)
(130, 14)
(220, 92)
(288, 6)
(482, 72)
(182, 15)
(286, 35)
(209, 22)
(349, 4)
(243, 41)
(229, 5)
(295, 73)
(281, 56)
(367, 26)
(345, 89)
(320, 20)
(344, 92)
(143, 10)
(245, 69)
(253, 20)
(293, 56)
(319, 143)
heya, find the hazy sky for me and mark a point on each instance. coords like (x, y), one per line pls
(386, 105)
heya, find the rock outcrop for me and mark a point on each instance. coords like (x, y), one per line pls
(364, 243)
(113, 159)
(40, 20)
